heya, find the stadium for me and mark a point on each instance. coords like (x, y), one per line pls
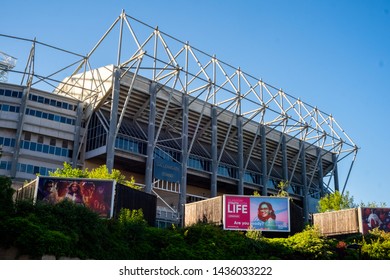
(186, 125)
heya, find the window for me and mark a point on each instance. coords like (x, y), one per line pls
(65, 144)
(40, 139)
(27, 136)
(52, 141)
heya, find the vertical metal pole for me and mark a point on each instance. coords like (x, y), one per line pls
(19, 131)
(240, 156)
(77, 138)
(110, 146)
(264, 171)
(284, 158)
(214, 152)
(151, 132)
(335, 173)
(184, 159)
(304, 182)
(320, 173)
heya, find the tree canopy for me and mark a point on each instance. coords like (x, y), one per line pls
(100, 172)
(335, 201)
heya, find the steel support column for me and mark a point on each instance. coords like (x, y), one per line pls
(304, 182)
(214, 152)
(19, 131)
(151, 132)
(335, 173)
(320, 173)
(284, 158)
(110, 146)
(240, 156)
(76, 142)
(264, 171)
(184, 159)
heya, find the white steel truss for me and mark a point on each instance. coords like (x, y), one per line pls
(176, 66)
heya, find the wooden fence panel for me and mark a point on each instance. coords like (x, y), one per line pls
(337, 222)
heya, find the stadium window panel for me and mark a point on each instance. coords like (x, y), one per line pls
(58, 151)
(33, 146)
(1, 140)
(7, 142)
(34, 97)
(64, 152)
(47, 101)
(7, 92)
(51, 117)
(53, 141)
(23, 168)
(45, 149)
(3, 165)
(30, 169)
(64, 105)
(39, 114)
(52, 102)
(40, 139)
(39, 147)
(1, 91)
(36, 170)
(5, 107)
(26, 145)
(42, 170)
(40, 99)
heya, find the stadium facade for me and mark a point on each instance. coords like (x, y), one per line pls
(186, 125)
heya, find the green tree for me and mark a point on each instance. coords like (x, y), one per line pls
(6, 193)
(335, 201)
(69, 172)
(100, 172)
(372, 204)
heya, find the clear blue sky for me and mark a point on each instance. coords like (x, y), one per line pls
(333, 54)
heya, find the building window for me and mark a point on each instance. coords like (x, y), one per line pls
(40, 139)
(52, 141)
(27, 136)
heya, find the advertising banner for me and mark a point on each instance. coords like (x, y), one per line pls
(262, 213)
(167, 170)
(96, 194)
(374, 218)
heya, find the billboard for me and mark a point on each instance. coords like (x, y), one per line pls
(374, 217)
(264, 213)
(96, 194)
(167, 170)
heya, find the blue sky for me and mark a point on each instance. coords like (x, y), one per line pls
(333, 54)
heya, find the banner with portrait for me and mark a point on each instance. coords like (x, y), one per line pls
(263, 213)
(96, 194)
(374, 217)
